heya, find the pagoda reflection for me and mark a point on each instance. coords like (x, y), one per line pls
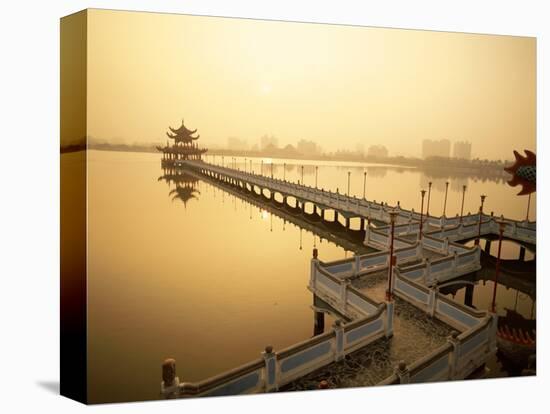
(184, 148)
(186, 185)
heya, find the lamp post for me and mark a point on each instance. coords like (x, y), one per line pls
(284, 171)
(528, 205)
(392, 214)
(251, 167)
(262, 168)
(429, 194)
(223, 162)
(364, 185)
(316, 172)
(349, 175)
(462, 205)
(422, 193)
(445, 202)
(483, 196)
(245, 165)
(302, 175)
(501, 227)
(271, 169)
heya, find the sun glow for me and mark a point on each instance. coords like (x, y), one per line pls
(336, 85)
(265, 89)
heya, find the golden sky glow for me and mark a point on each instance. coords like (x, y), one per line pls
(336, 85)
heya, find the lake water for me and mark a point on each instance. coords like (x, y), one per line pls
(213, 280)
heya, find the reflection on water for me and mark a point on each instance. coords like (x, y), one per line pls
(182, 268)
(515, 302)
(210, 283)
(185, 184)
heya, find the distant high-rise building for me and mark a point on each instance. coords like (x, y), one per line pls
(462, 150)
(234, 143)
(307, 147)
(268, 141)
(441, 148)
(377, 151)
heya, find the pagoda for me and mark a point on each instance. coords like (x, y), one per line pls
(183, 147)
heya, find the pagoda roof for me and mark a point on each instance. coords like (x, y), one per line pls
(182, 134)
(178, 177)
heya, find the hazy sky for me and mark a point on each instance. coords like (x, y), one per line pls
(336, 85)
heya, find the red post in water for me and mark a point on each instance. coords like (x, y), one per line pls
(392, 214)
(480, 218)
(462, 206)
(423, 193)
(502, 225)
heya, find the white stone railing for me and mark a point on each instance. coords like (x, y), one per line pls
(465, 350)
(372, 321)
(381, 240)
(338, 292)
(512, 230)
(431, 272)
(359, 265)
(334, 200)
(455, 360)
(408, 221)
(411, 227)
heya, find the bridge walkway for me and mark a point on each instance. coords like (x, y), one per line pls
(415, 335)
(351, 206)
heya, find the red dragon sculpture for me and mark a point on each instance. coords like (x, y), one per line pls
(524, 172)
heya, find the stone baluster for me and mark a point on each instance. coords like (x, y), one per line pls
(402, 373)
(313, 270)
(270, 359)
(170, 382)
(428, 271)
(344, 294)
(432, 300)
(419, 250)
(514, 228)
(367, 234)
(339, 339)
(454, 355)
(446, 246)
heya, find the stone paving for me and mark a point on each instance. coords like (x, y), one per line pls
(415, 335)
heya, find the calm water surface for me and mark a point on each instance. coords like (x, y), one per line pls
(212, 281)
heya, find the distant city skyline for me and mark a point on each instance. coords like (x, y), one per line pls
(461, 150)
